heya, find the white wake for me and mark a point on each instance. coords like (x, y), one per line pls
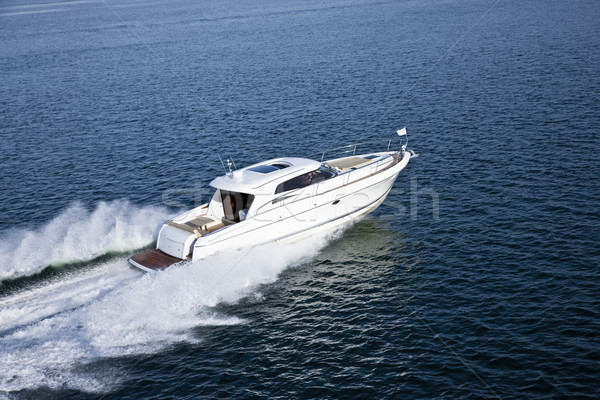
(78, 234)
(47, 333)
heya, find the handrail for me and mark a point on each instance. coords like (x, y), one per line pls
(351, 148)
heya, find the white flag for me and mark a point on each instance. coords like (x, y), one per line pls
(401, 132)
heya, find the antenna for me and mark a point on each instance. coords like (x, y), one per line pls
(230, 173)
(234, 166)
(222, 163)
(230, 162)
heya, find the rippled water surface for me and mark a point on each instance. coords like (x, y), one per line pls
(477, 278)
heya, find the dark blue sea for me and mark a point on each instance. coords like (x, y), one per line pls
(478, 277)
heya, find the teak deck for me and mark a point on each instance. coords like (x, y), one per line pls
(350, 162)
(200, 226)
(155, 259)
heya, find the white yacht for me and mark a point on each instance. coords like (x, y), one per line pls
(279, 199)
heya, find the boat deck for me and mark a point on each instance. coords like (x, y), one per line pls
(350, 162)
(199, 226)
(153, 260)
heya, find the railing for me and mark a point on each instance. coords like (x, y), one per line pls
(350, 149)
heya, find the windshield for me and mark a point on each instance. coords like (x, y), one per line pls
(321, 174)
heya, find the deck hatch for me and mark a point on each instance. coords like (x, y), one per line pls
(265, 169)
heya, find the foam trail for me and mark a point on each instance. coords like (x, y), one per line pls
(78, 234)
(52, 334)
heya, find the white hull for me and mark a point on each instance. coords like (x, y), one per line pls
(328, 226)
(309, 212)
(349, 188)
(286, 224)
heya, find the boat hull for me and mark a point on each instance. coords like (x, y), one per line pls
(311, 211)
(361, 184)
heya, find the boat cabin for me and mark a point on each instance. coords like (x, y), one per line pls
(237, 191)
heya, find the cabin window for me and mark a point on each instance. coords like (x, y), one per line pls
(309, 178)
(235, 205)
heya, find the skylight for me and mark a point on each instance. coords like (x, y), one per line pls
(265, 169)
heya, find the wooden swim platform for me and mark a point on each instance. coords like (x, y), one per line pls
(153, 260)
